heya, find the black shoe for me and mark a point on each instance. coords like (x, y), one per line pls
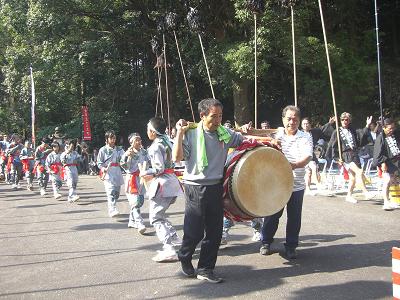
(265, 249)
(187, 268)
(209, 276)
(290, 253)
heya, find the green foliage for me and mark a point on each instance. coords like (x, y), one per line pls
(98, 53)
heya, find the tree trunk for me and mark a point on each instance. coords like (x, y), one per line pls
(243, 107)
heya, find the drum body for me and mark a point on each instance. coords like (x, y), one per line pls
(260, 183)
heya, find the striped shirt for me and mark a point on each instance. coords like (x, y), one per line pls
(296, 148)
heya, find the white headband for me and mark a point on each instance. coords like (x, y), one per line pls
(151, 127)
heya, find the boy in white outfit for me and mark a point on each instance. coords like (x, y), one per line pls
(108, 161)
(163, 189)
(134, 190)
(54, 168)
(70, 160)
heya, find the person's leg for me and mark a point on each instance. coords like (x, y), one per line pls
(294, 210)
(193, 225)
(352, 183)
(214, 212)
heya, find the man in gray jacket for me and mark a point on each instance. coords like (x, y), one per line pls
(204, 147)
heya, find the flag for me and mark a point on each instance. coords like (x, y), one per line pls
(87, 134)
(33, 108)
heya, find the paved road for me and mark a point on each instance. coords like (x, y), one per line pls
(53, 249)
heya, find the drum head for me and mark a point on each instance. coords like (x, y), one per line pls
(262, 182)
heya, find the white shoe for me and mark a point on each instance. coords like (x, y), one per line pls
(165, 256)
(113, 213)
(132, 224)
(224, 238)
(57, 196)
(351, 199)
(388, 205)
(30, 187)
(141, 228)
(14, 187)
(175, 240)
(18, 186)
(42, 192)
(256, 236)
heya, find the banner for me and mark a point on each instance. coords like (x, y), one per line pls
(33, 109)
(87, 134)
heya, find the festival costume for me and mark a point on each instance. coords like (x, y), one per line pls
(54, 169)
(134, 190)
(108, 161)
(295, 148)
(387, 150)
(4, 145)
(70, 161)
(350, 143)
(163, 191)
(40, 162)
(28, 164)
(203, 192)
(15, 163)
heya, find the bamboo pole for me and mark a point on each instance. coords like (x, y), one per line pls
(166, 83)
(331, 80)
(205, 61)
(255, 71)
(184, 76)
(379, 60)
(294, 58)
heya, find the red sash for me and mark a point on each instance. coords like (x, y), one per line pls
(169, 171)
(132, 183)
(111, 165)
(57, 168)
(25, 164)
(9, 163)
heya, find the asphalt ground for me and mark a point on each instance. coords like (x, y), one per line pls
(52, 249)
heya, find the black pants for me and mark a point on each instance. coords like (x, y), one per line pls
(203, 214)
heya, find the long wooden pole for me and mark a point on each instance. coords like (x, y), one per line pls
(379, 61)
(331, 80)
(255, 72)
(166, 83)
(205, 61)
(184, 76)
(294, 58)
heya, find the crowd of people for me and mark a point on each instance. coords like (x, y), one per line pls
(204, 148)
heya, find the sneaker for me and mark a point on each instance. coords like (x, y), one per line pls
(175, 240)
(57, 196)
(388, 205)
(209, 276)
(113, 213)
(165, 256)
(256, 236)
(187, 268)
(265, 249)
(42, 192)
(14, 187)
(351, 199)
(141, 228)
(224, 238)
(290, 253)
(132, 224)
(30, 187)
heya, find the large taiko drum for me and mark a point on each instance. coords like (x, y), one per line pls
(259, 183)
